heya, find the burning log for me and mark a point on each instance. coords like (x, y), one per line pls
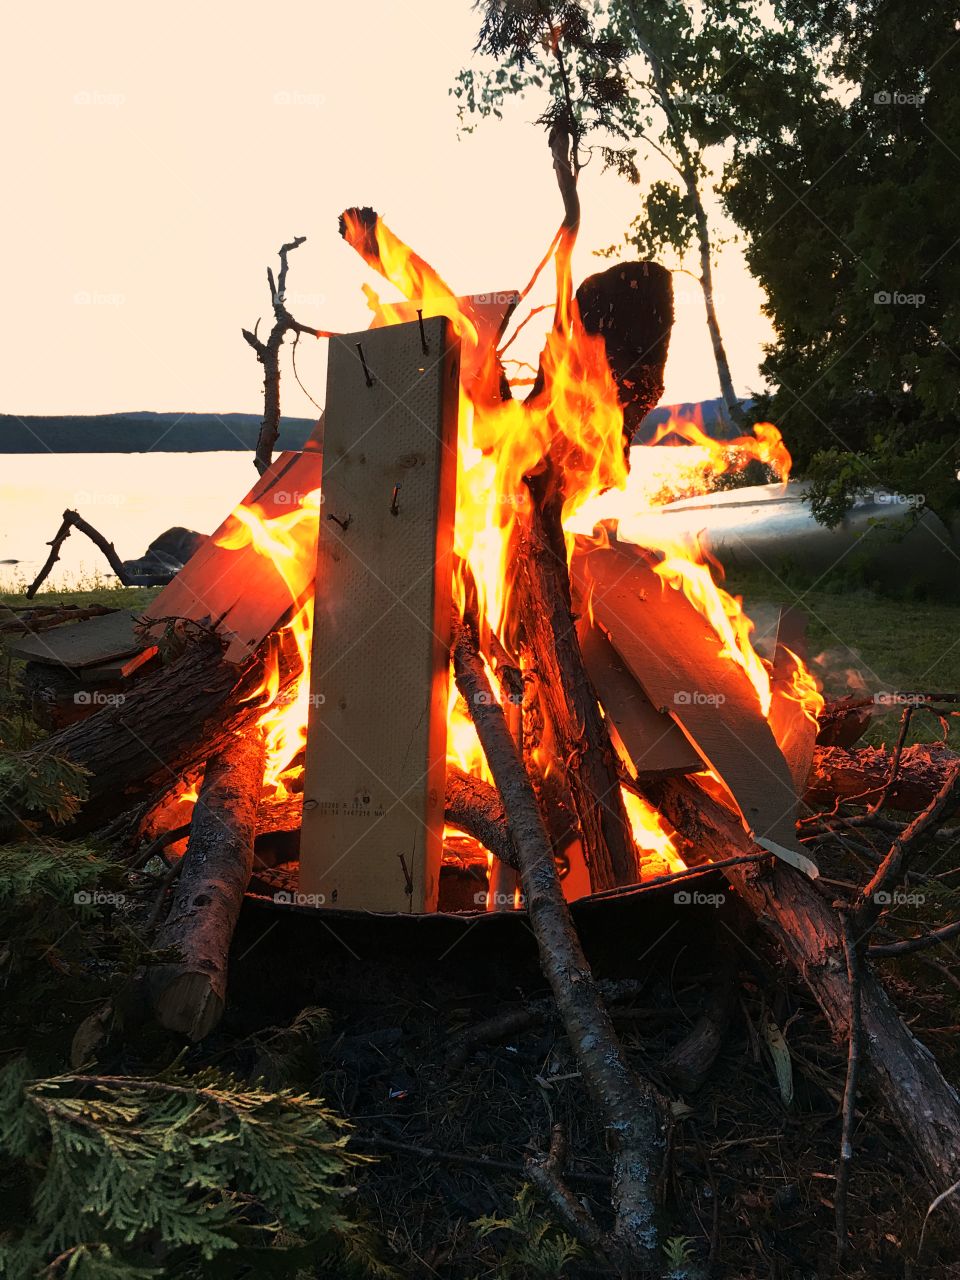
(924, 1106)
(621, 305)
(567, 696)
(473, 806)
(189, 995)
(631, 307)
(633, 1111)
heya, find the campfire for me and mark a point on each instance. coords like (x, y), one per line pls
(418, 670)
(440, 496)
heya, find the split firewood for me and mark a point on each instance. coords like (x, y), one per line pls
(924, 1106)
(632, 1109)
(189, 994)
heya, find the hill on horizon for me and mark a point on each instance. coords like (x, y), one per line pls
(144, 431)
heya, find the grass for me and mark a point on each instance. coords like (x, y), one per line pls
(116, 597)
(857, 637)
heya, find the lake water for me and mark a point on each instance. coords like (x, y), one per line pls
(129, 497)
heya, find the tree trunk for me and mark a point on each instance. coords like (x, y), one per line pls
(688, 173)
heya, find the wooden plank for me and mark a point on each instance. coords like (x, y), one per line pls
(240, 590)
(654, 744)
(376, 753)
(675, 655)
(488, 311)
(796, 733)
(121, 668)
(76, 645)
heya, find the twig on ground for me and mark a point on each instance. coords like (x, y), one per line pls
(867, 908)
(849, 1109)
(920, 943)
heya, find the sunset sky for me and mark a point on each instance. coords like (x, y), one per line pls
(157, 158)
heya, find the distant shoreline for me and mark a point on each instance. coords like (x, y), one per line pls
(147, 432)
(143, 433)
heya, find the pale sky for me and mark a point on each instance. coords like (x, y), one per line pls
(157, 156)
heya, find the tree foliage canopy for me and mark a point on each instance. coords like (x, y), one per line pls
(851, 230)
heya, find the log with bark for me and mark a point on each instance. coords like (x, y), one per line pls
(189, 993)
(168, 723)
(568, 699)
(631, 308)
(859, 776)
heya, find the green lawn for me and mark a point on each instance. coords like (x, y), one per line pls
(115, 597)
(892, 645)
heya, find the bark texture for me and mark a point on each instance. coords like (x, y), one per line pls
(189, 995)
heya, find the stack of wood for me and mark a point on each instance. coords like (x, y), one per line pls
(637, 692)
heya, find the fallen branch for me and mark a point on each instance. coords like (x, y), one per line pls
(872, 896)
(932, 939)
(849, 1107)
(633, 1112)
(73, 520)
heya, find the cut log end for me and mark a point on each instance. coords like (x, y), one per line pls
(189, 1005)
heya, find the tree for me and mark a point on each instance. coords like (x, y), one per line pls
(658, 78)
(848, 211)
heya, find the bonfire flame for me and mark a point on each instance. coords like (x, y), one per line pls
(574, 414)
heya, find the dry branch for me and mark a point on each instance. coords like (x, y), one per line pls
(268, 353)
(73, 520)
(168, 723)
(632, 1110)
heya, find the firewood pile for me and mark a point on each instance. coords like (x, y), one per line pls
(404, 676)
